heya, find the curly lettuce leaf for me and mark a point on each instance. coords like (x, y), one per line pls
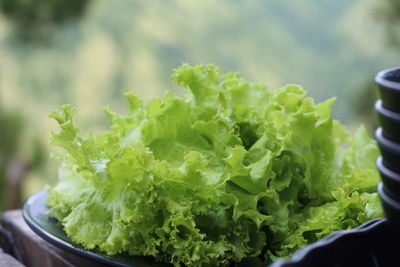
(233, 172)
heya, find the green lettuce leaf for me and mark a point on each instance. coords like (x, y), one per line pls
(233, 172)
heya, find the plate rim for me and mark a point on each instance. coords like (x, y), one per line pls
(58, 242)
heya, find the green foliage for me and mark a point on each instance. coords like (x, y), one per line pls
(35, 17)
(126, 45)
(389, 13)
(10, 132)
(233, 172)
(364, 102)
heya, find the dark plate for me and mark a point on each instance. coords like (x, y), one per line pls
(35, 215)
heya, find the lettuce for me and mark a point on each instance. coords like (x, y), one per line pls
(233, 172)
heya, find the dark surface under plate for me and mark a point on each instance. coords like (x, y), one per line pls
(35, 214)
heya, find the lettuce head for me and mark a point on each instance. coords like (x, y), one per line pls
(232, 173)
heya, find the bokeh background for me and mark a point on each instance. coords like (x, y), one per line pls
(89, 52)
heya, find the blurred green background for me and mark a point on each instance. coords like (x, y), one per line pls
(88, 53)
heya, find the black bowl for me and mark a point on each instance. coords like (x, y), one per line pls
(391, 205)
(389, 88)
(390, 179)
(390, 151)
(389, 120)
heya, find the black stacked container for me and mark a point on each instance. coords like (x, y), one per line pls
(388, 137)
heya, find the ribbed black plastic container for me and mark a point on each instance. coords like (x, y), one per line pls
(389, 121)
(388, 137)
(389, 88)
(390, 179)
(390, 150)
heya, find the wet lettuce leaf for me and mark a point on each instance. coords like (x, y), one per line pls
(233, 172)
